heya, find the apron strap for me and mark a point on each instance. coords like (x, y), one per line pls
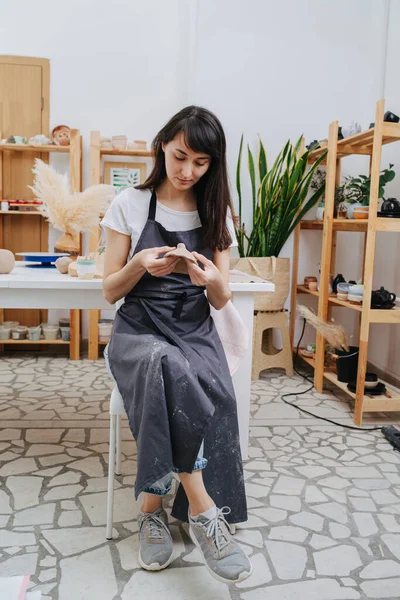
(152, 207)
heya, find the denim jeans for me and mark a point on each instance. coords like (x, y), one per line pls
(162, 486)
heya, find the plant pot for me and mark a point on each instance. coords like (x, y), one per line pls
(320, 213)
(347, 364)
(275, 270)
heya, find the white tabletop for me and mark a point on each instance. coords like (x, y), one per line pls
(23, 277)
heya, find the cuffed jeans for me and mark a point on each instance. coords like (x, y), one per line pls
(162, 486)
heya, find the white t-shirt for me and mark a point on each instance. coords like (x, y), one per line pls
(129, 210)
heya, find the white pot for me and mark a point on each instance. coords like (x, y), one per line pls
(320, 213)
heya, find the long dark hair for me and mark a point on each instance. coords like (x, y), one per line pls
(202, 132)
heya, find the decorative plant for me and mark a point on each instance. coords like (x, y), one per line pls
(69, 213)
(359, 187)
(278, 198)
(318, 181)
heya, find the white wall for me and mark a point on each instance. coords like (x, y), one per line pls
(280, 69)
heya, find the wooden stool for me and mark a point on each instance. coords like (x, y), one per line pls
(265, 354)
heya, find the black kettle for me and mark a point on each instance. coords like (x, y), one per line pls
(382, 297)
(390, 205)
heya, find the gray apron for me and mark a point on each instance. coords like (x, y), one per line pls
(170, 367)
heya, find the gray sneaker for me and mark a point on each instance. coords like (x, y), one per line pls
(222, 556)
(155, 540)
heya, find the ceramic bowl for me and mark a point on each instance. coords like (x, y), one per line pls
(371, 380)
(356, 290)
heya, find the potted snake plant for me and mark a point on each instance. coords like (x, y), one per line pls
(280, 199)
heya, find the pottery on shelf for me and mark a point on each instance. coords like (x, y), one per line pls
(60, 136)
(391, 205)
(350, 209)
(7, 261)
(119, 142)
(390, 117)
(361, 212)
(34, 333)
(351, 129)
(320, 212)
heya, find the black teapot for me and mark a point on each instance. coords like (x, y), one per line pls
(390, 205)
(382, 298)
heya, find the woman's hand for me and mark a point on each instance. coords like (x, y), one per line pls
(158, 266)
(209, 276)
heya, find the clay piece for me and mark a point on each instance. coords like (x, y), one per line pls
(182, 252)
(7, 261)
(72, 270)
(63, 263)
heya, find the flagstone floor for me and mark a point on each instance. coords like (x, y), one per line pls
(324, 510)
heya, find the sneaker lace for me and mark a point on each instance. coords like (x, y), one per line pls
(156, 526)
(215, 529)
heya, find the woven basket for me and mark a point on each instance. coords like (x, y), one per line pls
(276, 270)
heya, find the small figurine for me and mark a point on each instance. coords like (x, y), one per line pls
(60, 136)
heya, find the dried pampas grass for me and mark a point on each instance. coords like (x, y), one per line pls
(70, 213)
(334, 334)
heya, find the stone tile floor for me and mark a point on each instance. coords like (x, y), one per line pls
(324, 511)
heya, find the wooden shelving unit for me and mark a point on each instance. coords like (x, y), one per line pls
(11, 220)
(96, 154)
(368, 143)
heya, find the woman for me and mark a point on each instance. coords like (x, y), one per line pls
(165, 353)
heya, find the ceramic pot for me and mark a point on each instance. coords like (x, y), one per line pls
(65, 334)
(361, 212)
(34, 333)
(85, 268)
(105, 330)
(320, 213)
(19, 333)
(50, 332)
(5, 332)
(351, 208)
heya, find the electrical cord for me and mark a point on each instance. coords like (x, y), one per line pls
(312, 387)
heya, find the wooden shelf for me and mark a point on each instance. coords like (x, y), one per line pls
(32, 342)
(15, 175)
(385, 224)
(371, 403)
(382, 224)
(369, 143)
(338, 224)
(30, 148)
(125, 152)
(20, 212)
(377, 315)
(361, 143)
